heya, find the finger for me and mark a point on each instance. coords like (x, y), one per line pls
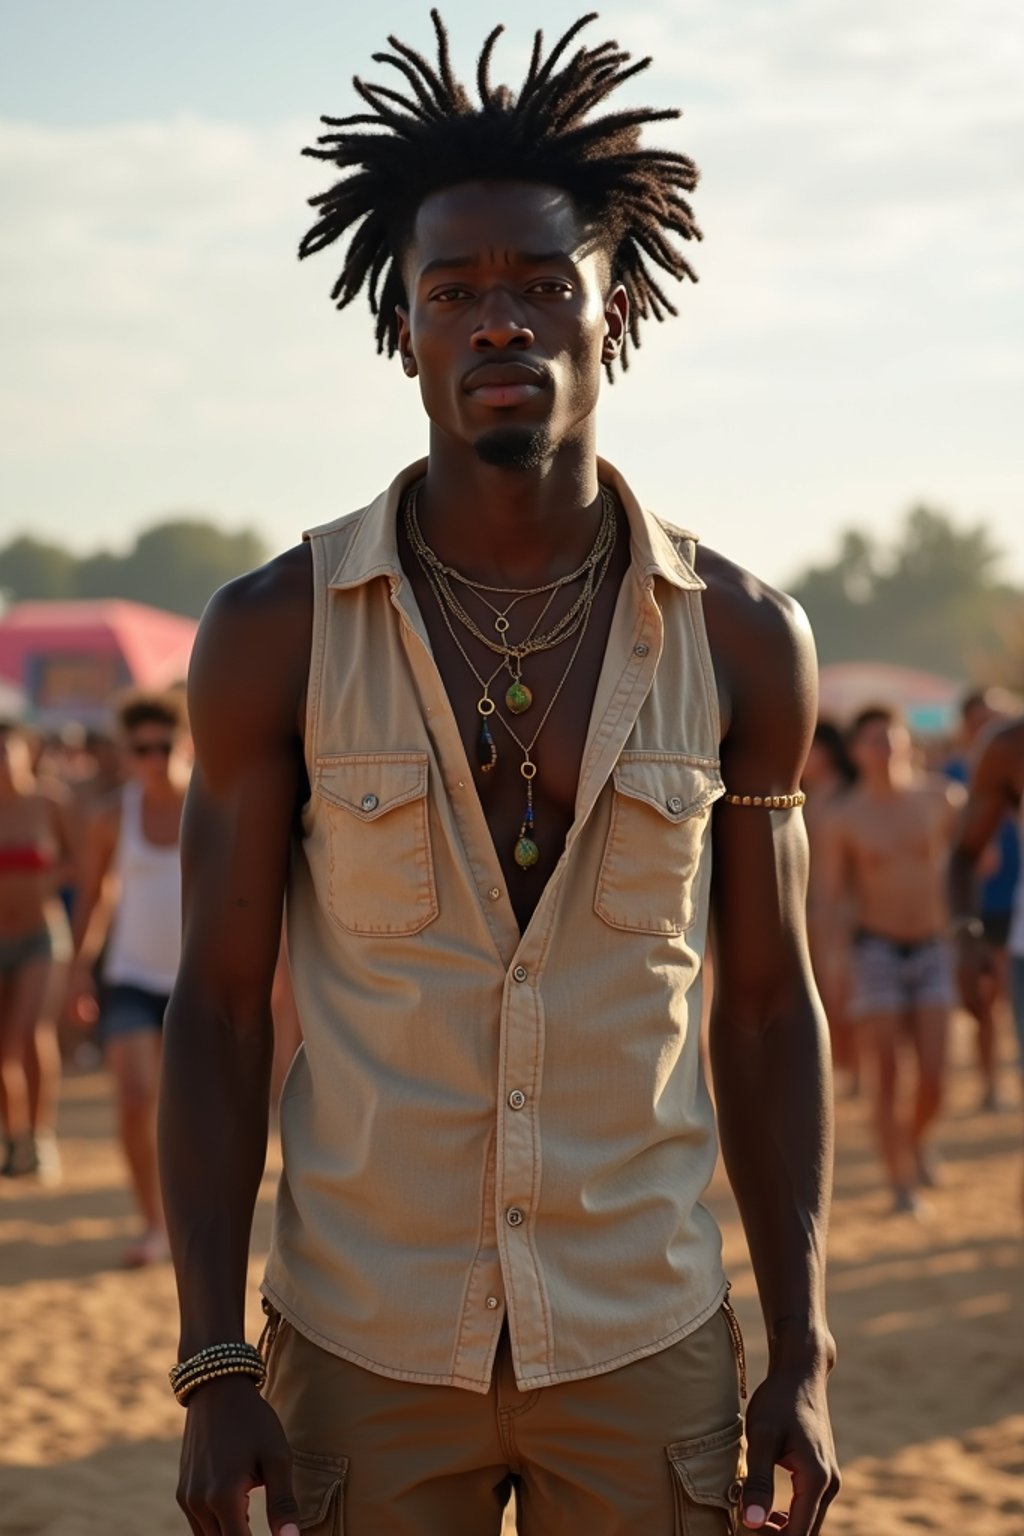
(808, 1491)
(282, 1505)
(826, 1500)
(759, 1483)
(230, 1515)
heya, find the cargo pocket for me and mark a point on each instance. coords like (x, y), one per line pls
(706, 1482)
(381, 874)
(661, 803)
(319, 1486)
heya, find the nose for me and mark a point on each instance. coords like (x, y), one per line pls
(500, 326)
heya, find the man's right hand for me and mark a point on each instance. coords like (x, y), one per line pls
(233, 1443)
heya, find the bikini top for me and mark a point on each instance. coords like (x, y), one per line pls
(19, 858)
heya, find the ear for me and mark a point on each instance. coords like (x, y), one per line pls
(405, 343)
(616, 322)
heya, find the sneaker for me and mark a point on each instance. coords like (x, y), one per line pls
(49, 1168)
(20, 1158)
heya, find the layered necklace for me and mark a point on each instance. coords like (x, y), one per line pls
(446, 583)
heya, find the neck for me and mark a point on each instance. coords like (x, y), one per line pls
(509, 525)
(156, 791)
(890, 780)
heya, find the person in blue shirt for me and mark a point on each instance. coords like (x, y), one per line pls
(998, 871)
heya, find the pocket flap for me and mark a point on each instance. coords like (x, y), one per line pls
(708, 1467)
(675, 785)
(316, 1481)
(369, 784)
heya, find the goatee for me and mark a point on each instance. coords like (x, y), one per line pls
(513, 447)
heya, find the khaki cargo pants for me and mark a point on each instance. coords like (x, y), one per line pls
(651, 1449)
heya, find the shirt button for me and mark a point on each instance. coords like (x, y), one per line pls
(641, 649)
(370, 802)
(675, 805)
(514, 1216)
(494, 893)
(516, 1099)
(520, 973)
(492, 1303)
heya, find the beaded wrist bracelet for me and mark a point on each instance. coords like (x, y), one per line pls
(769, 802)
(213, 1361)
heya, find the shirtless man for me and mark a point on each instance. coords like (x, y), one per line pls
(886, 850)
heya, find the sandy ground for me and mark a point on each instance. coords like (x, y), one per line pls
(928, 1400)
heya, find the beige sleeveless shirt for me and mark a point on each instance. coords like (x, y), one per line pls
(483, 1124)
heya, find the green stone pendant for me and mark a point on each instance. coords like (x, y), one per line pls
(527, 853)
(518, 698)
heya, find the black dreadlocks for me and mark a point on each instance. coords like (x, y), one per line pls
(433, 137)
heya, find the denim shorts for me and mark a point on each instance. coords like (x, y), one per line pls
(893, 977)
(128, 1010)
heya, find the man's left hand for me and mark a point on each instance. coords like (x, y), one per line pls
(788, 1426)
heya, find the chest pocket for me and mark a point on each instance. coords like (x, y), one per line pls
(381, 871)
(661, 803)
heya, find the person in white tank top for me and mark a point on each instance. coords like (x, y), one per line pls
(129, 910)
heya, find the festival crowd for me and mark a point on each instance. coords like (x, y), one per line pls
(90, 896)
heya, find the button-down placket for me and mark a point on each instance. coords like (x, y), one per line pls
(464, 802)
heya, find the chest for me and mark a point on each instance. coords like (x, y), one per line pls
(523, 724)
(904, 831)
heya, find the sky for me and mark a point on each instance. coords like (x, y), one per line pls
(855, 344)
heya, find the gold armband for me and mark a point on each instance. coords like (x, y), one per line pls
(769, 802)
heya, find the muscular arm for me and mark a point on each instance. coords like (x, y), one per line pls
(246, 692)
(769, 1040)
(246, 688)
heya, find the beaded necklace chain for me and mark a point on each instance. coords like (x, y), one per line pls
(518, 696)
(526, 852)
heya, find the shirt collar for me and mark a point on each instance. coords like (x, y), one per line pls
(658, 548)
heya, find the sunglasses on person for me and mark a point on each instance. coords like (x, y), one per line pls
(151, 748)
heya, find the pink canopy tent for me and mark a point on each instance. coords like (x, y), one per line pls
(67, 659)
(927, 700)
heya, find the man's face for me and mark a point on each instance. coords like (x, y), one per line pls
(880, 743)
(510, 318)
(149, 748)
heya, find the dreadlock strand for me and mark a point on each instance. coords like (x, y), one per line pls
(444, 61)
(562, 44)
(483, 67)
(423, 96)
(444, 98)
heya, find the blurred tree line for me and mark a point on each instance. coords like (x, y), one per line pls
(934, 597)
(176, 565)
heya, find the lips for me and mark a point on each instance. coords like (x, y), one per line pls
(504, 383)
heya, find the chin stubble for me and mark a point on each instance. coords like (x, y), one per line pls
(513, 447)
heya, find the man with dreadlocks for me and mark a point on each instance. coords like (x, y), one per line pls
(482, 734)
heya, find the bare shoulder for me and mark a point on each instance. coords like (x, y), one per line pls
(761, 642)
(1000, 756)
(251, 655)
